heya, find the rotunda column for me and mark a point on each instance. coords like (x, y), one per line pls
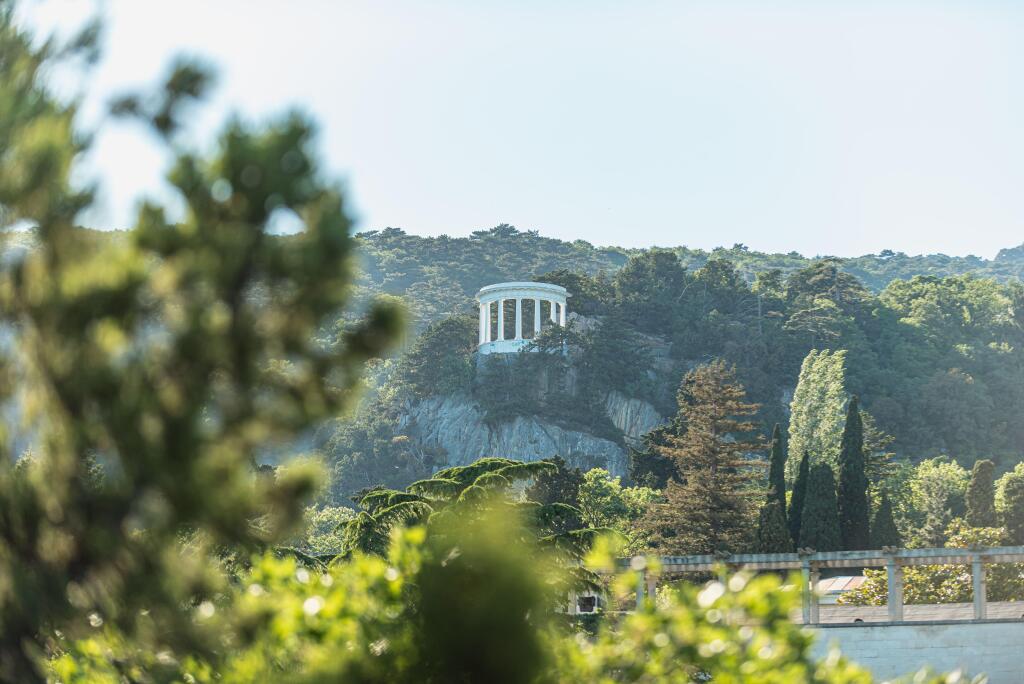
(480, 325)
(561, 314)
(553, 316)
(519, 318)
(536, 317)
(501, 319)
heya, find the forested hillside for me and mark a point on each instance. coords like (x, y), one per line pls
(934, 346)
(439, 273)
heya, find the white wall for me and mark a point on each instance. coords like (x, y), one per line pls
(992, 648)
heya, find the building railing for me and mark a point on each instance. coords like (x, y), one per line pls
(810, 563)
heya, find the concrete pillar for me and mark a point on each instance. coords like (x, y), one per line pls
(501, 319)
(519, 318)
(487, 322)
(805, 595)
(652, 586)
(894, 575)
(811, 575)
(978, 585)
(480, 337)
(553, 305)
(640, 582)
(561, 314)
(815, 578)
(536, 317)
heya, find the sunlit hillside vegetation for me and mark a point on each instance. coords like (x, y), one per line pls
(936, 355)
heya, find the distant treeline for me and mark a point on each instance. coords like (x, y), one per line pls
(441, 271)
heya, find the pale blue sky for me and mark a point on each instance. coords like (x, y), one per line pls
(822, 127)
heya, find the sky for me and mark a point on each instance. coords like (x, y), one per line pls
(822, 127)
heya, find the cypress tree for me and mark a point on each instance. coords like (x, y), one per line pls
(796, 504)
(816, 412)
(854, 513)
(777, 470)
(819, 529)
(772, 534)
(1013, 512)
(883, 529)
(981, 495)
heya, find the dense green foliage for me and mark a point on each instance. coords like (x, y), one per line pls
(605, 503)
(167, 357)
(937, 491)
(461, 492)
(818, 407)
(439, 362)
(883, 527)
(560, 484)
(854, 512)
(981, 495)
(688, 622)
(819, 528)
(777, 469)
(772, 533)
(798, 499)
(561, 382)
(444, 270)
(1001, 482)
(424, 614)
(322, 536)
(1013, 511)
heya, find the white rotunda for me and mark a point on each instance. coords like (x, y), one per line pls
(544, 303)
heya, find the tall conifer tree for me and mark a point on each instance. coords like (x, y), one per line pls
(710, 509)
(777, 470)
(981, 495)
(1013, 511)
(820, 527)
(796, 504)
(854, 513)
(772, 533)
(816, 411)
(883, 528)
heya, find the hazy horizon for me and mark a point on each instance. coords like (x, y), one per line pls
(841, 129)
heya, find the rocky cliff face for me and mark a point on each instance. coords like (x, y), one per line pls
(634, 417)
(454, 427)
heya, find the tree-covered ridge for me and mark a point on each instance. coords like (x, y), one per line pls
(441, 273)
(938, 363)
(932, 345)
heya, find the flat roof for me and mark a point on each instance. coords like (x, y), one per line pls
(524, 284)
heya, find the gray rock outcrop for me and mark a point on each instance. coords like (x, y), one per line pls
(634, 417)
(454, 426)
